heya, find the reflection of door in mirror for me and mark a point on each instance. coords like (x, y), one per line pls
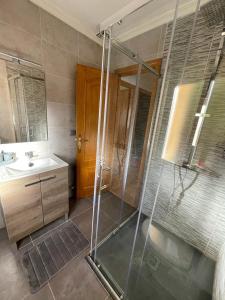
(124, 107)
(23, 109)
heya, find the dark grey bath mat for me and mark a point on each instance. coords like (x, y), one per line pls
(46, 255)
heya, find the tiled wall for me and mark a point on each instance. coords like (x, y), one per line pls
(198, 215)
(29, 32)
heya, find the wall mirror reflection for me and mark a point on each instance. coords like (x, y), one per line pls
(23, 109)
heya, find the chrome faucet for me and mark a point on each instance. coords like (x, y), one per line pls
(29, 155)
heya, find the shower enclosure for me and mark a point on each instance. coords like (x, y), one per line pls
(160, 154)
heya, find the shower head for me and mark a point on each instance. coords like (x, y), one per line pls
(214, 12)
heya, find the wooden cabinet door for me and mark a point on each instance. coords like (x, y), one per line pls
(54, 189)
(21, 205)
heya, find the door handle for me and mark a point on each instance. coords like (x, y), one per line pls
(79, 142)
(49, 178)
(32, 183)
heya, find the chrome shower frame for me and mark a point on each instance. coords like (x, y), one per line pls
(92, 258)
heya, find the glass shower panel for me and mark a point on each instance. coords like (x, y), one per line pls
(121, 200)
(110, 208)
(167, 245)
(182, 198)
(210, 151)
(131, 107)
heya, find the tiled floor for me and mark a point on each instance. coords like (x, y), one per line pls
(157, 273)
(76, 280)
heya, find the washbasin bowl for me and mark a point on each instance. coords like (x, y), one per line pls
(37, 164)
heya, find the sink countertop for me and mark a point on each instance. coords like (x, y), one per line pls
(6, 176)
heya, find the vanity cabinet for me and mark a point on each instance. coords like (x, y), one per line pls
(54, 189)
(34, 201)
(22, 207)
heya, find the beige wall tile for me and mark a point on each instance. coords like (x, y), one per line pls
(57, 33)
(20, 43)
(62, 143)
(89, 52)
(61, 115)
(148, 43)
(21, 14)
(60, 89)
(58, 62)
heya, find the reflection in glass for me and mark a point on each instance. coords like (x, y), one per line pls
(185, 102)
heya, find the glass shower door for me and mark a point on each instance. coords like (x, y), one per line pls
(130, 107)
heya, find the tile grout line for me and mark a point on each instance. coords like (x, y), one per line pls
(49, 285)
(34, 35)
(76, 226)
(82, 212)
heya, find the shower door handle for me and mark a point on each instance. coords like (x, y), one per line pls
(79, 142)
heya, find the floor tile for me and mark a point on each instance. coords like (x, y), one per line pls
(79, 206)
(13, 285)
(115, 208)
(77, 281)
(68, 285)
(44, 294)
(4, 242)
(84, 223)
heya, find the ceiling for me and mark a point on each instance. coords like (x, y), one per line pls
(89, 16)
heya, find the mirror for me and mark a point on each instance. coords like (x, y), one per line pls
(23, 108)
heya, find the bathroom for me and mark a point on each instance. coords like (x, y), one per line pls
(112, 149)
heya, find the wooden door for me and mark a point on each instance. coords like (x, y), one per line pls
(88, 82)
(87, 100)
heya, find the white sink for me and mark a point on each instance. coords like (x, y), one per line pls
(37, 164)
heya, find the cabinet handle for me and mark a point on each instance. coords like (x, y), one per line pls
(49, 178)
(32, 183)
